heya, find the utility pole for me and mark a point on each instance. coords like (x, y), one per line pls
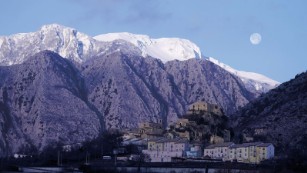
(87, 159)
(59, 159)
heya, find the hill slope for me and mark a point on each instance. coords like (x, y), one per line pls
(279, 116)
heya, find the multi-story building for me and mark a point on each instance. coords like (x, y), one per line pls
(163, 149)
(218, 151)
(265, 151)
(246, 152)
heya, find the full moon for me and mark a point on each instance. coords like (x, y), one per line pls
(255, 38)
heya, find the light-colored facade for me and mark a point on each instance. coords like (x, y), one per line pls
(163, 150)
(246, 152)
(265, 151)
(218, 151)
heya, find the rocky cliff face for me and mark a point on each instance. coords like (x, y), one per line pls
(280, 116)
(201, 80)
(48, 99)
(129, 89)
(42, 101)
(126, 89)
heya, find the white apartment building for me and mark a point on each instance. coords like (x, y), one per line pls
(218, 151)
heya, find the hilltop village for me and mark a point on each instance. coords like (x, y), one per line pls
(200, 134)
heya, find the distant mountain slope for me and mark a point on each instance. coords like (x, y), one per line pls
(44, 101)
(202, 80)
(47, 99)
(254, 82)
(157, 90)
(127, 90)
(279, 116)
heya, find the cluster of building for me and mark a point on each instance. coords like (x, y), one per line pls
(168, 150)
(162, 145)
(247, 152)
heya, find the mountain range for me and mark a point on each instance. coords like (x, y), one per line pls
(79, 47)
(61, 86)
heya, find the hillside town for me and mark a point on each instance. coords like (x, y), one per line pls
(199, 135)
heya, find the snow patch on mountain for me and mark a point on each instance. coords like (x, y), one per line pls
(252, 81)
(166, 49)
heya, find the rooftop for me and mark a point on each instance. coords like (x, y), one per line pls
(163, 140)
(225, 144)
(246, 145)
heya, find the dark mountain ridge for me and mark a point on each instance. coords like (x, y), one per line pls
(279, 116)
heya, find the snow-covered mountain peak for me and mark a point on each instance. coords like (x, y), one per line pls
(62, 32)
(58, 30)
(66, 41)
(253, 81)
(55, 26)
(70, 43)
(166, 49)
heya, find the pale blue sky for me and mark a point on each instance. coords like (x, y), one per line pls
(221, 28)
